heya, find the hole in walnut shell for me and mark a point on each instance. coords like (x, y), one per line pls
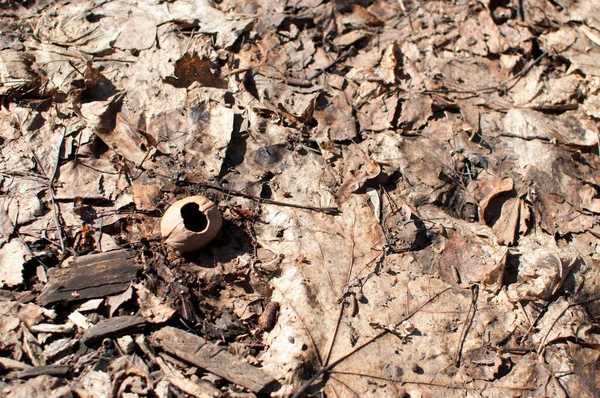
(193, 219)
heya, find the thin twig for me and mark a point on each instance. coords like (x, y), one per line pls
(52, 194)
(467, 325)
(328, 210)
(23, 174)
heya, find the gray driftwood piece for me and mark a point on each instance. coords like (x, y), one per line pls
(91, 276)
(113, 327)
(215, 359)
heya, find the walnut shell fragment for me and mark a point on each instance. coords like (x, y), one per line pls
(191, 223)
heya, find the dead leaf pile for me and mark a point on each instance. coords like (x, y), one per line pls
(409, 191)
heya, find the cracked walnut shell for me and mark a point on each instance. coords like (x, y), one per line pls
(191, 223)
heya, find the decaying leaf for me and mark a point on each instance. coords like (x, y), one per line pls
(16, 76)
(87, 179)
(335, 122)
(191, 68)
(509, 225)
(470, 256)
(482, 364)
(348, 145)
(416, 110)
(359, 168)
(541, 270)
(152, 308)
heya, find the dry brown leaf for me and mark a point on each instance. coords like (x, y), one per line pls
(416, 111)
(359, 168)
(8, 323)
(507, 226)
(205, 143)
(114, 302)
(471, 256)
(378, 113)
(335, 120)
(529, 125)
(191, 68)
(485, 190)
(550, 189)
(389, 67)
(540, 270)
(585, 368)
(87, 179)
(366, 15)
(482, 363)
(16, 76)
(151, 307)
(146, 196)
(31, 314)
(350, 38)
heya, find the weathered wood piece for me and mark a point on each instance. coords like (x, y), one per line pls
(9, 364)
(91, 276)
(215, 359)
(34, 371)
(52, 328)
(113, 327)
(59, 349)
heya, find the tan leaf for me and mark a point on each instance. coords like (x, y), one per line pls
(359, 168)
(366, 15)
(152, 308)
(145, 196)
(507, 226)
(486, 190)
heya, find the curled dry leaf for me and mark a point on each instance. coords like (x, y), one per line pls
(191, 223)
(486, 190)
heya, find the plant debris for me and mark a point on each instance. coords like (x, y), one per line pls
(408, 189)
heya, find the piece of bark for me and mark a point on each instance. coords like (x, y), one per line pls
(79, 320)
(217, 360)
(59, 349)
(91, 276)
(113, 327)
(52, 328)
(34, 371)
(11, 364)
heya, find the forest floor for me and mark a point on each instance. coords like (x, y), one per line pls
(409, 192)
